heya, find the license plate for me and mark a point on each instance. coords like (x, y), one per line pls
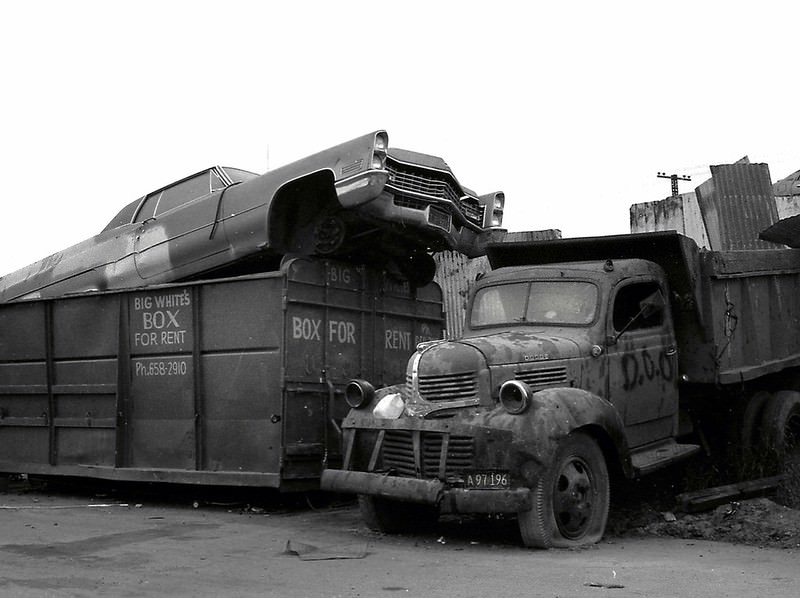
(487, 480)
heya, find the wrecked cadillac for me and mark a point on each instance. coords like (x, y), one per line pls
(360, 201)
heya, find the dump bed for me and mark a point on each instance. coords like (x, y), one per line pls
(737, 313)
(235, 381)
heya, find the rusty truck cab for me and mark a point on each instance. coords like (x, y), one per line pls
(550, 353)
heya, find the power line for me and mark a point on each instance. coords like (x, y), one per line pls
(674, 178)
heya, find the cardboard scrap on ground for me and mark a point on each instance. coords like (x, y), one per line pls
(309, 552)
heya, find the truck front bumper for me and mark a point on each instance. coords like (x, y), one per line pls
(432, 492)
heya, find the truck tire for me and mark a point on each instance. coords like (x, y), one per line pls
(392, 516)
(571, 499)
(752, 447)
(780, 426)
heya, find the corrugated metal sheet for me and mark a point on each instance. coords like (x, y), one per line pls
(680, 213)
(737, 203)
(456, 273)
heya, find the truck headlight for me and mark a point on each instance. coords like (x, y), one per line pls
(515, 396)
(358, 393)
(390, 407)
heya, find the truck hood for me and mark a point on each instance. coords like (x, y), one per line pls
(450, 374)
(527, 346)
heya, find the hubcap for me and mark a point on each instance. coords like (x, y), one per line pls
(573, 498)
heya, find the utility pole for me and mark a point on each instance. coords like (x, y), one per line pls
(674, 178)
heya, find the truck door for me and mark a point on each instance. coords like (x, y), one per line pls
(642, 360)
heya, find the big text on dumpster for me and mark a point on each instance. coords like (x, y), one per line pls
(160, 323)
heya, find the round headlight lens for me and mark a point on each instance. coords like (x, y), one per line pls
(515, 396)
(358, 393)
(377, 162)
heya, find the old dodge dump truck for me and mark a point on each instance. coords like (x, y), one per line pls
(581, 359)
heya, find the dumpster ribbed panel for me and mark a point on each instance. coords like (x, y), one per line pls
(737, 203)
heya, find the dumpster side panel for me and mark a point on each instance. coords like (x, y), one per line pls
(241, 375)
(232, 381)
(328, 331)
(161, 410)
(24, 400)
(406, 317)
(85, 337)
(342, 322)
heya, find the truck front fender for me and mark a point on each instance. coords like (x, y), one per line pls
(558, 412)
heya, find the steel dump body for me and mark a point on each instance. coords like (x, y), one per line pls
(736, 312)
(230, 382)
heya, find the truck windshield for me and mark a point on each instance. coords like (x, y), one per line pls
(540, 302)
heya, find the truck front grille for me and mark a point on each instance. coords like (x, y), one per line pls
(398, 453)
(450, 387)
(547, 376)
(410, 185)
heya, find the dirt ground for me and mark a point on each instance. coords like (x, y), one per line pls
(650, 509)
(134, 541)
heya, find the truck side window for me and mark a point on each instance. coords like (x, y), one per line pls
(629, 313)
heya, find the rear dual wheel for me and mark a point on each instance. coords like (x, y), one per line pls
(780, 424)
(571, 499)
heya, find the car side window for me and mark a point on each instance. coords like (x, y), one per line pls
(632, 307)
(183, 192)
(148, 207)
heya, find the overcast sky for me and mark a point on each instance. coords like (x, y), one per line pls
(571, 109)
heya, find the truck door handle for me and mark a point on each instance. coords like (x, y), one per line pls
(671, 351)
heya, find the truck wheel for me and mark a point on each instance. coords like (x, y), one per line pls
(392, 516)
(780, 426)
(571, 499)
(751, 425)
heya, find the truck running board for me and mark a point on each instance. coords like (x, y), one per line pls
(661, 454)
